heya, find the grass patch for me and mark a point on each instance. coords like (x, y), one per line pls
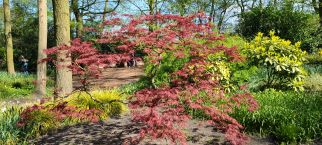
(287, 116)
(19, 85)
(15, 86)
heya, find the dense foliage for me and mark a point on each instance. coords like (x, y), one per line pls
(283, 60)
(288, 24)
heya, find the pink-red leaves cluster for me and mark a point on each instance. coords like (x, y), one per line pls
(86, 61)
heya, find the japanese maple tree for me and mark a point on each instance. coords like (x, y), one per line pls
(162, 108)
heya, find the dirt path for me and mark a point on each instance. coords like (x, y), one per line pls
(116, 130)
(113, 77)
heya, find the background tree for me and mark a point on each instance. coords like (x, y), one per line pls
(90, 8)
(64, 83)
(8, 36)
(42, 45)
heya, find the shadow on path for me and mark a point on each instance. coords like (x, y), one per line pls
(117, 130)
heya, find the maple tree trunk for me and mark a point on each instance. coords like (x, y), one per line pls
(8, 36)
(64, 84)
(42, 45)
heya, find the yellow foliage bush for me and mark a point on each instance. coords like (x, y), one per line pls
(111, 102)
(282, 60)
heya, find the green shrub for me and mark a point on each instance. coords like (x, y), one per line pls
(233, 41)
(158, 75)
(313, 82)
(111, 102)
(287, 116)
(282, 60)
(39, 122)
(289, 24)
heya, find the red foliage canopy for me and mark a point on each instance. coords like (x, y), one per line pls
(162, 109)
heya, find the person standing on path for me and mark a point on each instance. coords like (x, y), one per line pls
(24, 65)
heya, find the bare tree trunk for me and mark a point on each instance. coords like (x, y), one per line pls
(105, 10)
(320, 13)
(42, 45)
(7, 31)
(151, 6)
(151, 12)
(212, 12)
(79, 19)
(315, 6)
(64, 84)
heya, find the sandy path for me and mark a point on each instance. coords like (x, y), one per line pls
(113, 77)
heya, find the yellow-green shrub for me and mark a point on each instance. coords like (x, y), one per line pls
(282, 60)
(111, 102)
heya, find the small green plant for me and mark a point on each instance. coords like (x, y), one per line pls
(131, 88)
(287, 116)
(282, 60)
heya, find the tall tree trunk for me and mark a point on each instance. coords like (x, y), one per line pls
(151, 6)
(64, 84)
(151, 12)
(212, 12)
(8, 36)
(42, 45)
(320, 13)
(105, 10)
(79, 18)
(261, 4)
